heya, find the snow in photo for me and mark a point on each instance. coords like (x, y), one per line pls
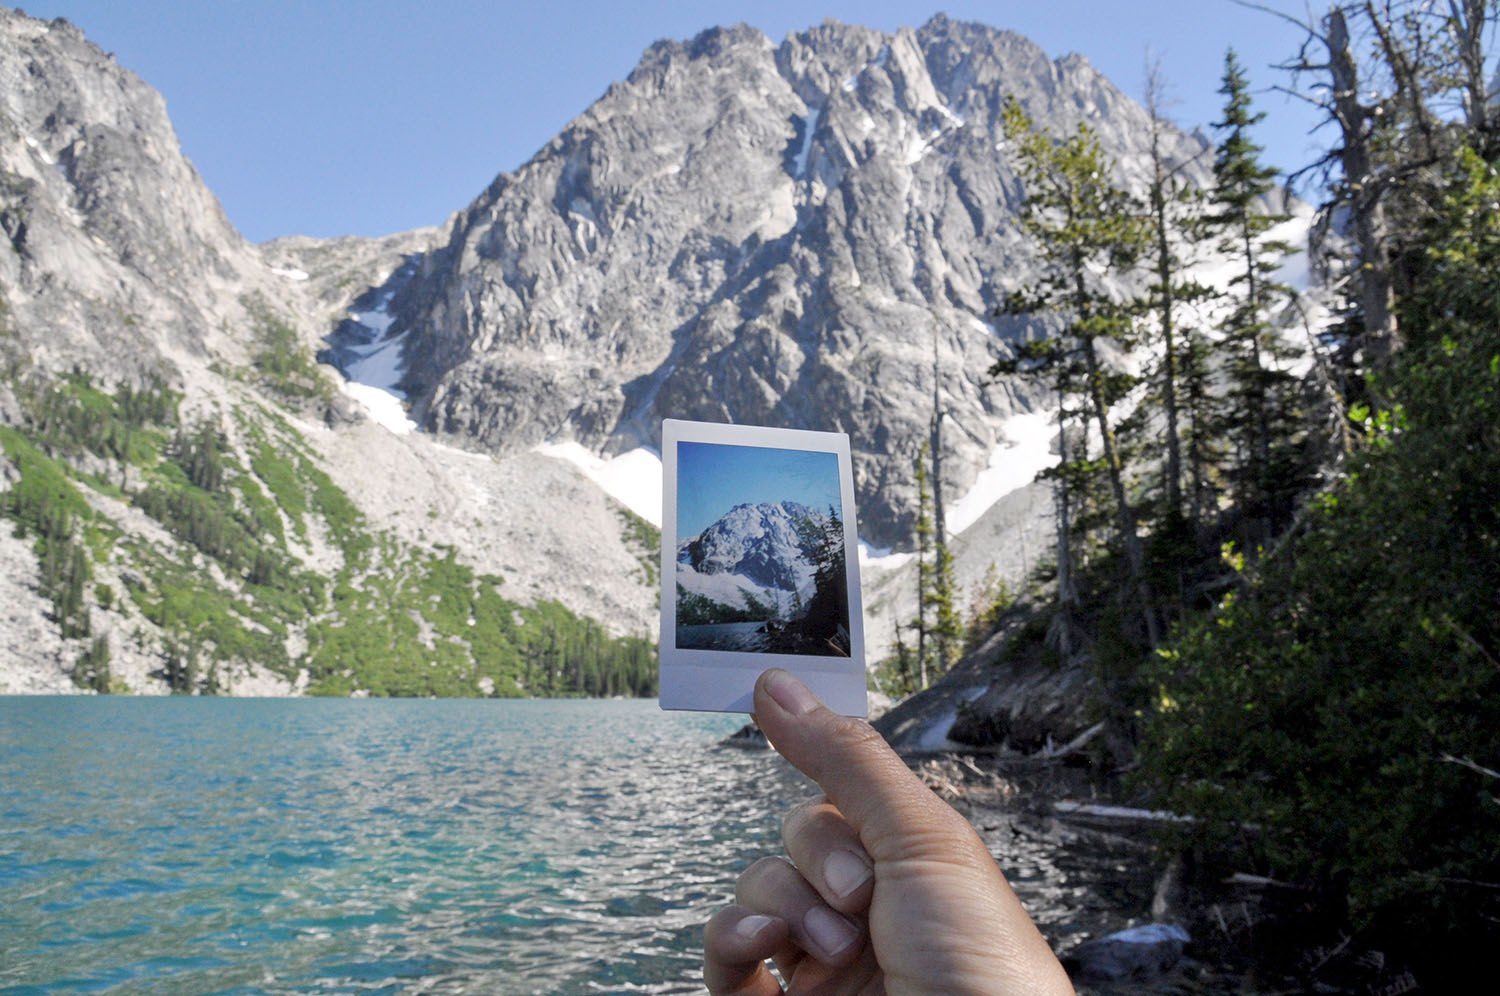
(760, 558)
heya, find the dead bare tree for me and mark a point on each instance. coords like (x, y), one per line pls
(1380, 71)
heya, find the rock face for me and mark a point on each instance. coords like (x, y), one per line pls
(791, 235)
(812, 234)
(755, 551)
(112, 243)
(761, 542)
(116, 259)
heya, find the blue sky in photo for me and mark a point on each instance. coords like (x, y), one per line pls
(712, 478)
(365, 117)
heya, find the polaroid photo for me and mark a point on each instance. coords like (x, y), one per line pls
(759, 565)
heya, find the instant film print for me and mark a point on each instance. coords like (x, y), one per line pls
(759, 565)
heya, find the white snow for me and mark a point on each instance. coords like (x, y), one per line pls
(379, 366)
(880, 558)
(377, 319)
(799, 166)
(290, 272)
(1295, 270)
(41, 152)
(633, 479)
(372, 378)
(727, 589)
(1218, 270)
(1014, 464)
(383, 406)
(946, 112)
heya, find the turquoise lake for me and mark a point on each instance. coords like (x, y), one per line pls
(212, 845)
(201, 845)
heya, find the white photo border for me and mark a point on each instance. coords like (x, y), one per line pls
(723, 680)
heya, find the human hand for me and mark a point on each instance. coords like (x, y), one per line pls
(887, 889)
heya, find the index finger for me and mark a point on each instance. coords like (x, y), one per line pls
(890, 808)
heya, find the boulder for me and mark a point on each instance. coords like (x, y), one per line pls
(1135, 953)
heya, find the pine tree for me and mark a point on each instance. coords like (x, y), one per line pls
(1175, 205)
(924, 569)
(946, 626)
(92, 669)
(1257, 382)
(1084, 225)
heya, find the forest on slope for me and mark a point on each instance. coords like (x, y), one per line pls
(1277, 546)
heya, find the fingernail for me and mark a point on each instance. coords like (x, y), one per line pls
(829, 931)
(789, 693)
(844, 872)
(752, 925)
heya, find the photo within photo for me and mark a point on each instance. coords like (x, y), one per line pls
(760, 551)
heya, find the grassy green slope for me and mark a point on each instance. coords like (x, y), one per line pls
(260, 558)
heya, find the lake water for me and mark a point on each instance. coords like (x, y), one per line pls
(197, 845)
(209, 844)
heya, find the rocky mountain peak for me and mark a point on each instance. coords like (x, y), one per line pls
(800, 235)
(112, 242)
(762, 543)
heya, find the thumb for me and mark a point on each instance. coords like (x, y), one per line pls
(888, 806)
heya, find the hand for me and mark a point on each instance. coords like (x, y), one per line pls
(887, 888)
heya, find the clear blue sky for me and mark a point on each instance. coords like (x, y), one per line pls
(330, 118)
(712, 478)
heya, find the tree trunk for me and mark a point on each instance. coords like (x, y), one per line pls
(1260, 444)
(1060, 634)
(1377, 297)
(1124, 515)
(1159, 180)
(1468, 19)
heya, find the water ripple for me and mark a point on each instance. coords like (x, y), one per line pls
(398, 846)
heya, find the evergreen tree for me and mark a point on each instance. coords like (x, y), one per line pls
(1084, 225)
(1257, 411)
(1175, 208)
(946, 626)
(924, 568)
(92, 669)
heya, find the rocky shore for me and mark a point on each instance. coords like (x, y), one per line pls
(1011, 742)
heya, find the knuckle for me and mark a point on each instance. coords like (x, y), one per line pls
(858, 737)
(763, 870)
(800, 815)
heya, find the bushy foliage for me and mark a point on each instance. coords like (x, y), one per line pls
(1344, 699)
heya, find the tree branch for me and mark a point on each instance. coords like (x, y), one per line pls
(1464, 762)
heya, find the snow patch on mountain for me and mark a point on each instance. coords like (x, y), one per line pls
(633, 478)
(876, 559)
(728, 589)
(1026, 452)
(383, 406)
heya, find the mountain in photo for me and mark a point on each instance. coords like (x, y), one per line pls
(754, 552)
(766, 577)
